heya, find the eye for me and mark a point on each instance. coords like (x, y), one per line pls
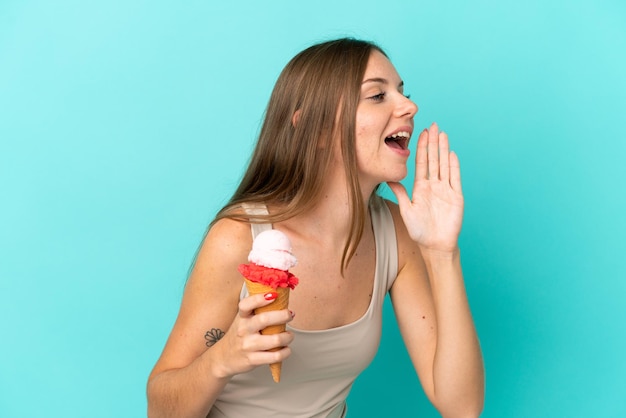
(378, 97)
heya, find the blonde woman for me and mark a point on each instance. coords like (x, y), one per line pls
(338, 125)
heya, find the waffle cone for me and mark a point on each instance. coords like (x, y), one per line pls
(281, 302)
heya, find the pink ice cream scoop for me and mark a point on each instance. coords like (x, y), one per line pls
(272, 249)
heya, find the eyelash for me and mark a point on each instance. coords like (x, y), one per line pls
(380, 96)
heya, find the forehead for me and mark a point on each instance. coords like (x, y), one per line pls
(379, 66)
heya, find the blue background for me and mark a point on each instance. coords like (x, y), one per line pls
(125, 125)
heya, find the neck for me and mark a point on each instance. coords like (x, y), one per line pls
(330, 218)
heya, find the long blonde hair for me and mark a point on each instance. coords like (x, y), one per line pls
(322, 84)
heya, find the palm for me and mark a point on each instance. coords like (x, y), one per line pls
(434, 213)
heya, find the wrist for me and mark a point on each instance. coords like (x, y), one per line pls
(214, 365)
(429, 253)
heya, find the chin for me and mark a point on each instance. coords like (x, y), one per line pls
(396, 180)
(396, 177)
(381, 177)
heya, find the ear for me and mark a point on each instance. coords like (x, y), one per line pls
(295, 117)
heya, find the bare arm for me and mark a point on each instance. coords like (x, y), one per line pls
(193, 370)
(429, 293)
(436, 324)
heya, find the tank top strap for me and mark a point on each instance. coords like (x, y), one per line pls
(256, 209)
(255, 228)
(386, 243)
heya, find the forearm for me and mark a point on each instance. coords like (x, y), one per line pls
(186, 392)
(458, 374)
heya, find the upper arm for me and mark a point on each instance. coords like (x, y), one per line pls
(413, 305)
(211, 294)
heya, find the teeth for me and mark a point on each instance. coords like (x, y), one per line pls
(402, 134)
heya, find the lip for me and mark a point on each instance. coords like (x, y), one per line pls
(404, 152)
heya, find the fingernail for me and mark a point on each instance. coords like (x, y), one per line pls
(292, 313)
(270, 296)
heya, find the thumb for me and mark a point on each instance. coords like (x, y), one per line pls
(400, 192)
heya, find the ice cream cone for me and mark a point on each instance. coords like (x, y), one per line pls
(281, 302)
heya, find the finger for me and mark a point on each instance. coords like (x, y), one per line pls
(269, 319)
(433, 152)
(455, 172)
(273, 341)
(248, 304)
(421, 159)
(444, 162)
(269, 357)
(400, 192)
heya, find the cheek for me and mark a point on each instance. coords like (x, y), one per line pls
(370, 124)
(361, 132)
(363, 121)
(365, 127)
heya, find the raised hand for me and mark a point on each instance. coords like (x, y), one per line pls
(434, 213)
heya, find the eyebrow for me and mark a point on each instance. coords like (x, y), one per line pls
(381, 80)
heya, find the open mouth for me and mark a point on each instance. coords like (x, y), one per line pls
(399, 140)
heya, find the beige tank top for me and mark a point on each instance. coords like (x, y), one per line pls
(317, 377)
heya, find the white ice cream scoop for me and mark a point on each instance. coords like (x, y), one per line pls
(272, 249)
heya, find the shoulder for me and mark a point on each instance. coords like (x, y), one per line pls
(225, 246)
(229, 232)
(214, 285)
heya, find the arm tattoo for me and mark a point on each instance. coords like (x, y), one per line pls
(213, 336)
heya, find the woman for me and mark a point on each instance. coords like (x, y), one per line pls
(337, 126)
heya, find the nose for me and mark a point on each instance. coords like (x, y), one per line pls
(406, 107)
